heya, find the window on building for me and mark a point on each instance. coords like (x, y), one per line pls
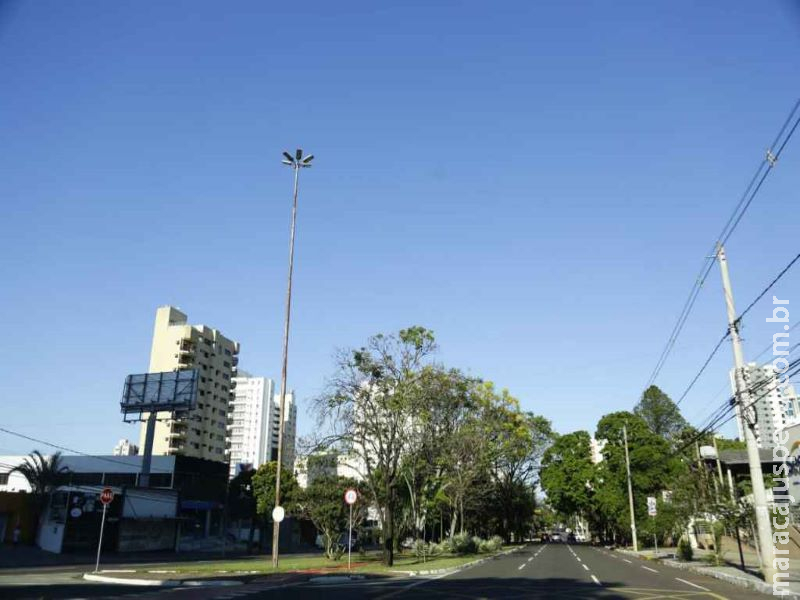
(3, 478)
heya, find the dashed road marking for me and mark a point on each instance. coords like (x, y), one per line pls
(627, 561)
(699, 587)
(584, 566)
(519, 568)
(596, 580)
(649, 569)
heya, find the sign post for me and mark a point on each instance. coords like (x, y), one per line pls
(653, 511)
(350, 496)
(106, 497)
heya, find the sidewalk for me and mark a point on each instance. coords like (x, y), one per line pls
(731, 571)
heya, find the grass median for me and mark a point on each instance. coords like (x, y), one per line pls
(365, 564)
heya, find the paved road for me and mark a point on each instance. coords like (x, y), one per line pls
(536, 571)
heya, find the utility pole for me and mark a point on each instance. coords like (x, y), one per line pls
(748, 415)
(630, 489)
(297, 162)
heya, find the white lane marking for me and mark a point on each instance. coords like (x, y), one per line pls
(531, 558)
(596, 580)
(627, 561)
(584, 566)
(699, 587)
(519, 568)
(578, 557)
(649, 569)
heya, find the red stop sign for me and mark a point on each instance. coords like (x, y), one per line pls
(106, 496)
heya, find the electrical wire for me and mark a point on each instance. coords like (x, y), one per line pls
(73, 451)
(764, 169)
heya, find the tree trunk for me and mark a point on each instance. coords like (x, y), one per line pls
(461, 508)
(388, 534)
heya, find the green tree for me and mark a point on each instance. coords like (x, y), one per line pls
(518, 439)
(322, 502)
(660, 413)
(263, 485)
(653, 469)
(43, 474)
(371, 410)
(568, 474)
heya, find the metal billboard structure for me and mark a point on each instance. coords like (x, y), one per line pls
(168, 391)
(152, 393)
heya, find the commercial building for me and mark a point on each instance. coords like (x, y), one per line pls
(253, 424)
(181, 509)
(125, 448)
(775, 406)
(202, 432)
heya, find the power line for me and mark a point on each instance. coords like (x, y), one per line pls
(703, 368)
(71, 450)
(738, 321)
(726, 411)
(764, 168)
(768, 288)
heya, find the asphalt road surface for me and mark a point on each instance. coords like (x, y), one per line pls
(536, 571)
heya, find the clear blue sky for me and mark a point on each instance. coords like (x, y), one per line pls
(536, 182)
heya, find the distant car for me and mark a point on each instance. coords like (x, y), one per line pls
(571, 538)
(556, 537)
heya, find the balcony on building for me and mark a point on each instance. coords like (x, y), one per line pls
(235, 361)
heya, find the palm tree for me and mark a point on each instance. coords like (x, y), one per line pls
(43, 475)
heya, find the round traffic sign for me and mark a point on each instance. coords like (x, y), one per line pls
(350, 496)
(278, 514)
(107, 495)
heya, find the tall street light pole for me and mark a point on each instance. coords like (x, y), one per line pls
(297, 162)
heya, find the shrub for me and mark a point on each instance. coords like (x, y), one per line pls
(463, 544)
(493, 544)
(425, 550)
(685, 551)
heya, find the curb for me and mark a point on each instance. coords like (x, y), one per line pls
(742, 582)
(164, 583)
(131, 581)
(460, 567)
(332, 579)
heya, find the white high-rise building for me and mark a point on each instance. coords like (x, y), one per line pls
(289, 431)
(775, 405)
(125, 448)
(253, 424)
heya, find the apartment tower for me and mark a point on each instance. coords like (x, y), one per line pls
(202, 432)
(775, 405)
(253, 423)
